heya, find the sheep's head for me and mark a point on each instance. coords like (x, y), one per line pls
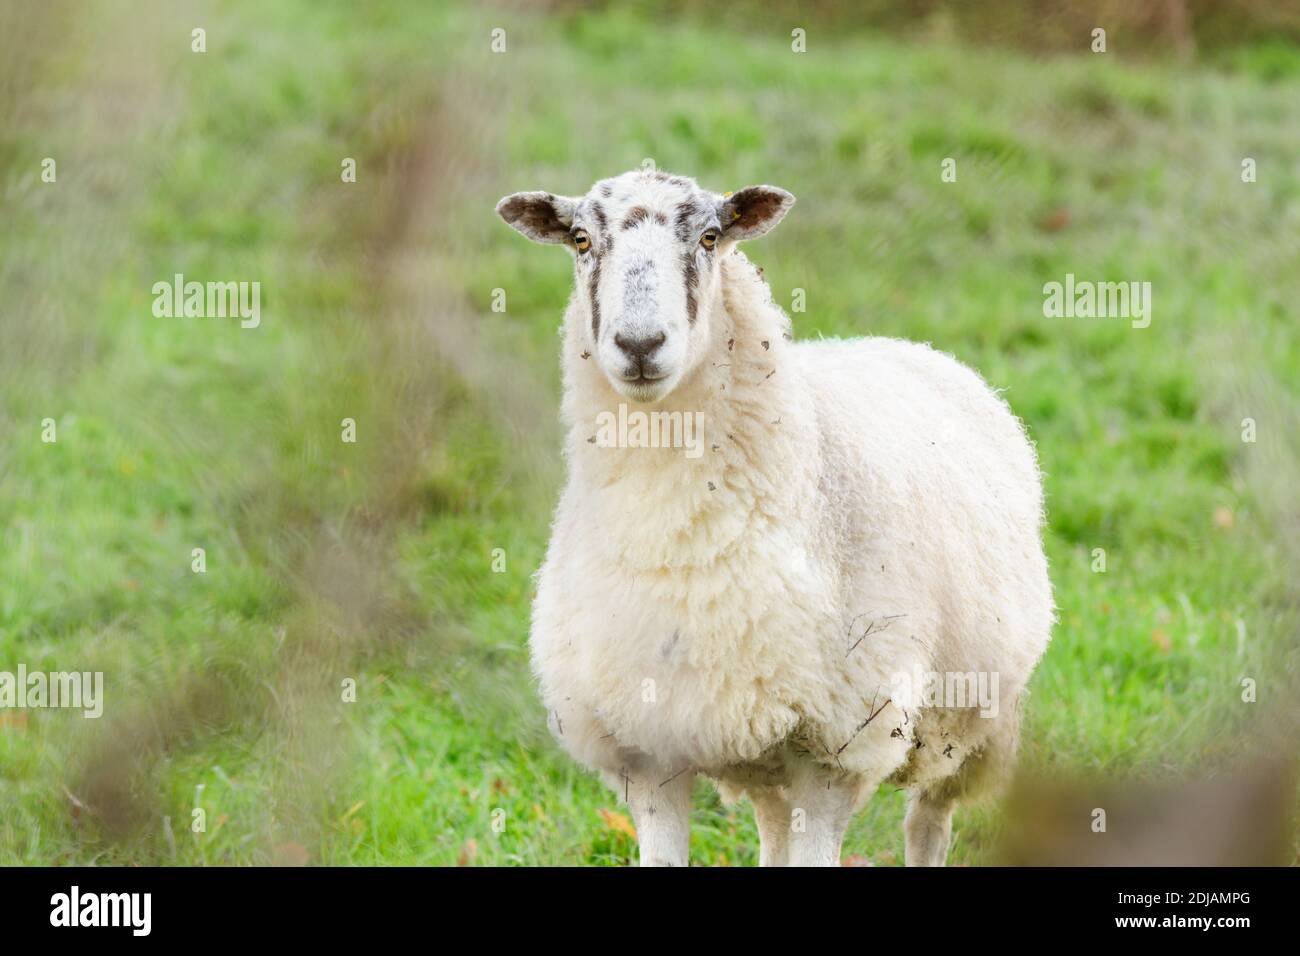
(646, 249)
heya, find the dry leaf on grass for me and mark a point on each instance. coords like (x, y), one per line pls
(616, 821)
(1055, 221)
(468, 852)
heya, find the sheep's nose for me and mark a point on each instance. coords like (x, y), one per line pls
(639, 348)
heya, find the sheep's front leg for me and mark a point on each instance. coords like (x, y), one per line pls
(772, 813)
(927, 829)
(660, 802)
(821, 804)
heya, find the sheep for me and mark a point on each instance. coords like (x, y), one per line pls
(807, 609)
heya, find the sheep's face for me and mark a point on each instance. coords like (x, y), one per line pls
(646, 248)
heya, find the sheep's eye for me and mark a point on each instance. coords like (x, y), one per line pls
(709, 239)
(581, 240)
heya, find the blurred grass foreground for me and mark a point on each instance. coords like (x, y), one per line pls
(300, 553)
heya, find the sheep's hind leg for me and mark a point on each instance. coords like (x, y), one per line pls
(822, 802)
(772, 811)
(927, 829)
(660, 802)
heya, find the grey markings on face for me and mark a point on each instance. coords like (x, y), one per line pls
(692, 218)
(593, 286)
(602, 223)
(687, 215)
(590, 210)
(692, 279)
(635, 216)
(639, 296)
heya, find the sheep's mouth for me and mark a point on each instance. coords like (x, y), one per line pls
(642, 375)
(643, 388)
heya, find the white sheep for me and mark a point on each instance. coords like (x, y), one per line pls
(846, 587)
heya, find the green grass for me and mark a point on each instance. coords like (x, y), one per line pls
(372, 561)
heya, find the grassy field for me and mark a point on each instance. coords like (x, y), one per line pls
(372, 561)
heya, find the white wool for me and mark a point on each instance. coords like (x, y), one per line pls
(707, 614)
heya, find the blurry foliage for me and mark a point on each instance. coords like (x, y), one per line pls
(1034, 26)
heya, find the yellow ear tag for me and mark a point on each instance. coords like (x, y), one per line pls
(726, 195)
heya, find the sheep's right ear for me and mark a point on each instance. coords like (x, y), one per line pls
(542, 217)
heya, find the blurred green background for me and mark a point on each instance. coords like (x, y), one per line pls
(373, 561)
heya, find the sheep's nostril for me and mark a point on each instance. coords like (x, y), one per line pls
(641, 347)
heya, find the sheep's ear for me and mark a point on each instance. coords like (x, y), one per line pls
(542, 217)
(753, 211)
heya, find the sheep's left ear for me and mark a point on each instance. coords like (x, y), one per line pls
(753, 211)
(542, 217)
